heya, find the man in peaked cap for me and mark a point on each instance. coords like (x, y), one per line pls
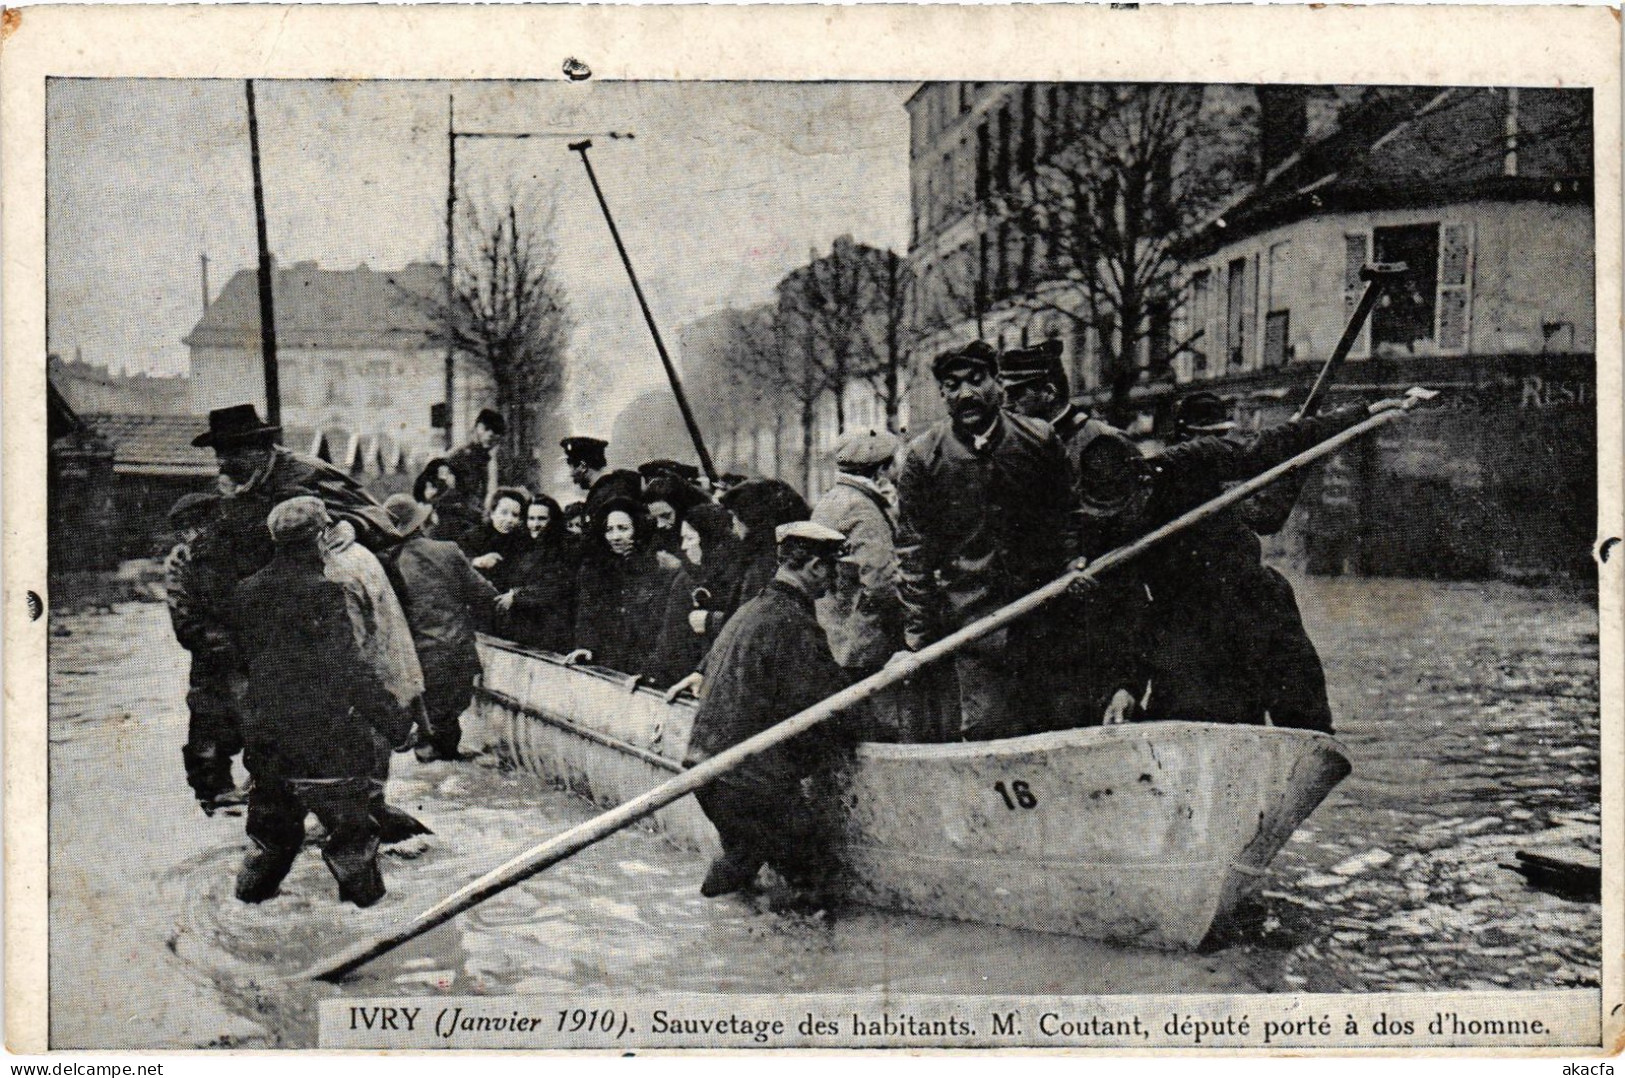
(257, 474)
(587, 459)
(1099, 672)
(771, 661)
(986, 514)
(474, 463)
(1036, 385)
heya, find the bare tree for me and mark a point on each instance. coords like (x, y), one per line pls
(510, 312)
(760, 355)
(906, 318)
(827, 309)
(1128, 168)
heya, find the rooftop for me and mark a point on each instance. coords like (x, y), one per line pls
(317, 308)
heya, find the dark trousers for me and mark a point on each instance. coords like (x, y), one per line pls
(445, 705)
(213, 737)
(276, 824)
(761, 825)
(1288, 666)
(1015, 682)
(394, 825)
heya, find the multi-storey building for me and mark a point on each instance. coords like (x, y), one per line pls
(355, 357)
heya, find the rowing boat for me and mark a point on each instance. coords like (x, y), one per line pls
(1147, 834)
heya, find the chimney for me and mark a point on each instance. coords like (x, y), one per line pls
(1283, 121)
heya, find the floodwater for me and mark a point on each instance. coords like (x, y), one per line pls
(1470, 711)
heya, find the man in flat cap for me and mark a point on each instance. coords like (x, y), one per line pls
(314, 707)
(588, 460)
(474, 464)
(862, 614)
(1202, 659)
(1251, 603)
(771, 661)
(987, 513)
(197, 587)
(256, 474)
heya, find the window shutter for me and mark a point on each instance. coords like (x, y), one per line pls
(1356, 253)
(1455, 286)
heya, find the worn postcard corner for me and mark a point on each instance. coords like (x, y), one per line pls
(636, 529)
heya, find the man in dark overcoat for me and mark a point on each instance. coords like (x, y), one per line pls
(1103, 673)
(472, 463)
(256, 473)
(588, 461)
(770, 661)
(1197, 651)
(313, 704)
(987, 513)
(197, 588)
(446, 602)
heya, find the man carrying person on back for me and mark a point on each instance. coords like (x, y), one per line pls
(315, 708)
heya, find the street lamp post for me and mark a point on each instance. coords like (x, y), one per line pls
(452, 135)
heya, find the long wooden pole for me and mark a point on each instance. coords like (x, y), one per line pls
(709, 468)
(578, 838)
(450, 376)
(1377, 276)
(273, 391)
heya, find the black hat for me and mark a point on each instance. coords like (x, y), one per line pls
(1038, 363)
(763, 504)
(673, 491)
(974, 354)
(1202, 412)
(235, 425)
(193, 508)
(1111, 472)
(492, 420)
(584, 450)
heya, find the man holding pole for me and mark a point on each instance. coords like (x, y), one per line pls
(770, 662)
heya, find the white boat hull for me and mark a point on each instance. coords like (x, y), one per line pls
(1146, 834)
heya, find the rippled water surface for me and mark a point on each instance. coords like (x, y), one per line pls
(1470, 712)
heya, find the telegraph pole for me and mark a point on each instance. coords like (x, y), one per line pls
(451, 259)
(273, 393)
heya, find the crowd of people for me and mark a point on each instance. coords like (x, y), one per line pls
(328, 631)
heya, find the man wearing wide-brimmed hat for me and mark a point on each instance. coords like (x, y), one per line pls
(257, 473)
(447, 601)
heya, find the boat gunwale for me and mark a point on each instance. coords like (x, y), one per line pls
(1082, 737)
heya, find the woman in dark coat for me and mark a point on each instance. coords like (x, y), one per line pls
(622, 591)
(760, 506)
(498, 545)
(702, 600)
(454, 516)
(539, 607)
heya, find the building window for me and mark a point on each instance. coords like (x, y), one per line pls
(1027, 150)
(1235, 323)
(1404, 321)
(1001, 171)
(1455, 286)
(1356, 253)
(1277, 306)
(1201, 290)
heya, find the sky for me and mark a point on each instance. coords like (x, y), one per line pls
(725, 187)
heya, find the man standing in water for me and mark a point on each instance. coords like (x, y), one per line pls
(315, 706)
(770, 662)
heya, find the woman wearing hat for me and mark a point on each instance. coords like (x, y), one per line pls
(621, 592)
(761, 506)
(702, 596)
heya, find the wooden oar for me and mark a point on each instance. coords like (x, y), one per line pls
(578, 838)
